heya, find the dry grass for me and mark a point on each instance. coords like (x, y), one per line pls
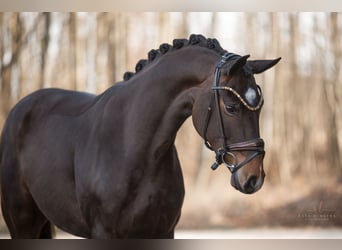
(302, 203)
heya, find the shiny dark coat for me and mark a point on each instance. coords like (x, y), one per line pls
(106, 166)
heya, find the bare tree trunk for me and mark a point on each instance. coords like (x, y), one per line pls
(91, 53)
(44, 46)
(249, 31)
(1, 44)
(330, 95)
(117, 51)
(4, 81)
(120, 33)
(284, 108)
(270, 89)
(15, 32)
(110, 20)
(164, 26)
(2, 34)
(73, 50)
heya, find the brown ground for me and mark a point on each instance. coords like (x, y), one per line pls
(302, 203)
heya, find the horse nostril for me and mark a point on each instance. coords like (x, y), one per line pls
(250, 184)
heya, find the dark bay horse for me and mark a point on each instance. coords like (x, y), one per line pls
(106, 166)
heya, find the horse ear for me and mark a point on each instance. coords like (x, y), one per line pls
(239, 63)
(259, 66)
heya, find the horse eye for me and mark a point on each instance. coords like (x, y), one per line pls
(231, 109)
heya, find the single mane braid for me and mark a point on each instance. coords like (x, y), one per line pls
(194, 40)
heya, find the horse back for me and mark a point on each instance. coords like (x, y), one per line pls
(36, 107)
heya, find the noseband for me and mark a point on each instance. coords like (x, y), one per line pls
(225, 154)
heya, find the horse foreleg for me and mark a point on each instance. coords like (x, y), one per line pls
(99, 231)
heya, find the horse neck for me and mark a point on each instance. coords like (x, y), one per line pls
(162, 97)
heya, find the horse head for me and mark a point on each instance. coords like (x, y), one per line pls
(231, 125)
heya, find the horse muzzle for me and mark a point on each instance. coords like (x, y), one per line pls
(250, 178)
(249, 181)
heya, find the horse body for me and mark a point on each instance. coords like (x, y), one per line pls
(96, 147)
(104, 166)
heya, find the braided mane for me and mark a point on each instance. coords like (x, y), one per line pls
(210, 43)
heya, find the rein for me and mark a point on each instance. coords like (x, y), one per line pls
(225, 153)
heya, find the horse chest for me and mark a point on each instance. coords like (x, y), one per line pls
(135, 203)
(152, 212)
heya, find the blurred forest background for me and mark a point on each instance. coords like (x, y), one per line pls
(301, 120)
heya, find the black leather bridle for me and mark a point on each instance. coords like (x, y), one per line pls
(225, 154)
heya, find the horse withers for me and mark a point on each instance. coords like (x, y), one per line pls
(106, 166)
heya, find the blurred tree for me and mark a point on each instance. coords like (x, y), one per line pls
(119, 46)
(73, 50)
(10, 57)
(331, 90)
(45, 39)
